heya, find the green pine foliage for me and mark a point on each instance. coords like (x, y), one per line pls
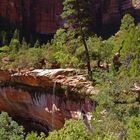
(35, 136)
(72, 130)
(77, 21)
(133, 128)
(61, 52)
(9, 129)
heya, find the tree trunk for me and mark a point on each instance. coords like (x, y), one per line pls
(87, 56)
(84, 43)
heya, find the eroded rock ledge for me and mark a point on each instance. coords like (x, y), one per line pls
(47, 96)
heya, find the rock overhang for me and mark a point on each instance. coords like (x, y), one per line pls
(41, 95)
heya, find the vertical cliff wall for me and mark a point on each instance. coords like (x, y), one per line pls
(107, 14)
(113, 10)
(43, 16)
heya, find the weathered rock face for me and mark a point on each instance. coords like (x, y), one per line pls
(4, 76)
(43, 16)
(48, 97)
(111, 11)
(107, 14)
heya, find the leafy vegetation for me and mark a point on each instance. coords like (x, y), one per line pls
(72, 130)
(9, 129)
(113, 64)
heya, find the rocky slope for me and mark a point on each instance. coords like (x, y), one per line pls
(47, 97)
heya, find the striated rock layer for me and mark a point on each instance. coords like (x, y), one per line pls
(43, 16)
(47, 97)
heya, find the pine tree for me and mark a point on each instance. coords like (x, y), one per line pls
(37, 44)
(16, 34)
(24, 44)
(129, 35)
(76, 15)
(15, 43)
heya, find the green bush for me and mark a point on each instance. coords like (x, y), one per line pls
(9, 129)
(133, 128)
(72, 130)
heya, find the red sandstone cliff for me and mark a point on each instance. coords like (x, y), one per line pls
(112, 10)
(43, 16)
